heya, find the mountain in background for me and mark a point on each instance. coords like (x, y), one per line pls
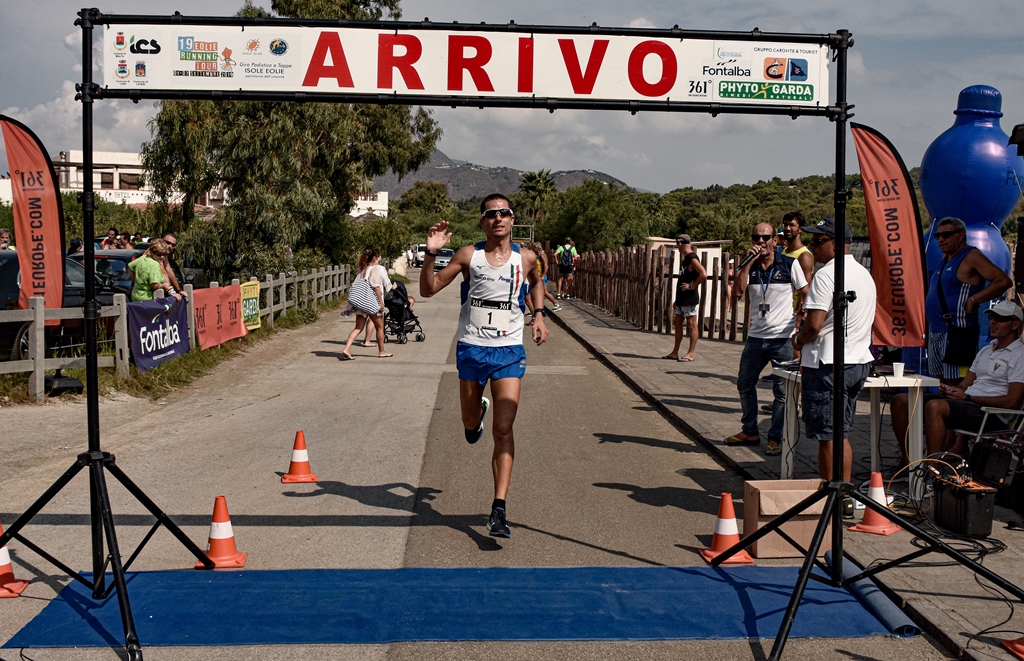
(466, 180)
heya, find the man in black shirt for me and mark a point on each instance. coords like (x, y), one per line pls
(691, 276)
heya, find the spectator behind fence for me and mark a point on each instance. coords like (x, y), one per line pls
(5, 239)
(691, 276)
(956, 291)
(77, 245)
(773, 279)
(168, 264)
(816, 339)
(148, 273)
(110, 242)
(996, 378)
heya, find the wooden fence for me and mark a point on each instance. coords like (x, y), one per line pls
(277, 294)
(638, 285)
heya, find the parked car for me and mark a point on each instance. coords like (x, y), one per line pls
(419, 252)
(444, 255)
(70, 333)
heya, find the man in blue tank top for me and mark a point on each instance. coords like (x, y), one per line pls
(962, 278)
(490, 346)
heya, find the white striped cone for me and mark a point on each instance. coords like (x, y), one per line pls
(10, 587)
(221, 547)
(299, 470)
(873, 522)
(726, 534)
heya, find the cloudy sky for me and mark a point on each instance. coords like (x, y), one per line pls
(908, 64)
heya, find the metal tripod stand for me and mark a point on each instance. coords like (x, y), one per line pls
(98, 462)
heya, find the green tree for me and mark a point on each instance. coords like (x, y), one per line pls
(597, 216)
(290, 170)
(537, 188)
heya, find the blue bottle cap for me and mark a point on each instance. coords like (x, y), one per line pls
(980, 100)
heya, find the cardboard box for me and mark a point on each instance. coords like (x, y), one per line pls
(763, 500)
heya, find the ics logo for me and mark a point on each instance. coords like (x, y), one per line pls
(144, 47)
(278, 46)
(781, 68)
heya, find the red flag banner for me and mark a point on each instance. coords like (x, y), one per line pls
(38, 216)
(897, 248)
(218, 315)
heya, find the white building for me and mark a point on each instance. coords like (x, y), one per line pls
(375, 203)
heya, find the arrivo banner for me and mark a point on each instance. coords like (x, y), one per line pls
(464, 64)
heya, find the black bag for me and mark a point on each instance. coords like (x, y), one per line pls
(961, 343)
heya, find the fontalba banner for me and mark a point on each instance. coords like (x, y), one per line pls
(218, 315)
(38, 216)
(897, 248)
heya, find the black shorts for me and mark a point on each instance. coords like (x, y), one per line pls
(566, 270)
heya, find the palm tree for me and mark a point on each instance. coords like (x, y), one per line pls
(537, 187)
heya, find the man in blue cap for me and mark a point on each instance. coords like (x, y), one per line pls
(817, 335)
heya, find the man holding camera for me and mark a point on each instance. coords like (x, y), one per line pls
(995, 378)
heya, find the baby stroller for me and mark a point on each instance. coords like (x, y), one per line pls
(399, 321)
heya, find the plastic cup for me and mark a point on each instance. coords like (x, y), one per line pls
(897, 370)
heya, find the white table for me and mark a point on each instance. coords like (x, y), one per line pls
(915, 432)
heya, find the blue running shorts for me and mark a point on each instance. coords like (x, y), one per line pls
(479, 364)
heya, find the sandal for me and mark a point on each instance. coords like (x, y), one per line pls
(741, 439)
(773, 449)
(345, 356)
(385, 355)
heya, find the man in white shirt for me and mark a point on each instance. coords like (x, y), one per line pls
(996, 378)
(772, 279)
(816, 339)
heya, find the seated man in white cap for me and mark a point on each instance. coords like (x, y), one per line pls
(996, 378)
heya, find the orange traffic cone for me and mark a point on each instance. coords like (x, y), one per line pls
(873, 522)
(299, 470)
(726, 534)
(10, 587)
(1015, 647)
(221, 547)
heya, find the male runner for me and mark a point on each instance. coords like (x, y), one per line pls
(490, 343)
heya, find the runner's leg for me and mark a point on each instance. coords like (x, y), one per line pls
(470, 393)
(505, 393)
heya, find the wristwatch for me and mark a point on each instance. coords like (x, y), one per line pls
(429, 253)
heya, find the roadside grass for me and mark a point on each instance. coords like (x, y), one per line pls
(174, 374)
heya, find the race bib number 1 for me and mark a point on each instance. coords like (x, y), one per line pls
(494, 316)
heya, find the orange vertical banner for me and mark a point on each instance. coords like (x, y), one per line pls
(897, 248)
(38, 216)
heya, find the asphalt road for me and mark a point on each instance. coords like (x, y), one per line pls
(600, 479)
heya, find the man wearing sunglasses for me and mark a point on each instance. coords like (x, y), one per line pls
(957, 289)
(772, 279)
(490, 346)
(996, 378)
(817, 337)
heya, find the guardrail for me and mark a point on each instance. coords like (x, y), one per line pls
(37, 363)
(277, 294)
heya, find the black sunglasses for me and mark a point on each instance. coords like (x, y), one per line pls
(761, 237)
(999, 317)
(820, 240)
(946, 235)
(504, 212)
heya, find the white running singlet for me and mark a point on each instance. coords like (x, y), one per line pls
(491, 316)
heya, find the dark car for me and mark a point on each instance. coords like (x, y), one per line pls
(70, 333)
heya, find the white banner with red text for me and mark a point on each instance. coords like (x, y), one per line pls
(464, 63)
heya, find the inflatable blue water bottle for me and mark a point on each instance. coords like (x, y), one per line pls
(970, 173)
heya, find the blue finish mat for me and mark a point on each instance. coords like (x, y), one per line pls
(429, 604)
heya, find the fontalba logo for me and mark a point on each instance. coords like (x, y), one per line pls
(161, 337)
